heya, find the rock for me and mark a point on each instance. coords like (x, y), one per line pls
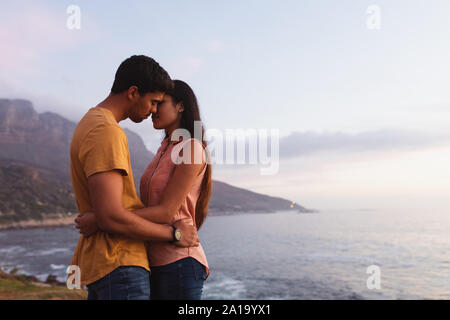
(4, 275)
(51, 279)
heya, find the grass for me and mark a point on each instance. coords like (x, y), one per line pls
(15, 289)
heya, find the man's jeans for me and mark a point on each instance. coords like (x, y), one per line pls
(124, 283)
(182, 279)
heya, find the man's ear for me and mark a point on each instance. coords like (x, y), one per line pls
(132, 93)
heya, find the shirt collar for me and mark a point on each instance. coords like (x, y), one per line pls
(167, 141)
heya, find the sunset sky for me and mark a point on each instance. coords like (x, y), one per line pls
(364, 115)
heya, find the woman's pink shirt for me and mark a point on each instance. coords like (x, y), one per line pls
(153, 184)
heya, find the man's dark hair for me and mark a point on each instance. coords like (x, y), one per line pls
(144, 73)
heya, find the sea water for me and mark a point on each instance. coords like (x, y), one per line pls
(288, 255)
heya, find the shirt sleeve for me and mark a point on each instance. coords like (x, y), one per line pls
(104, 149)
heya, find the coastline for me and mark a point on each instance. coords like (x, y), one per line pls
(44, 223)
(64, 220)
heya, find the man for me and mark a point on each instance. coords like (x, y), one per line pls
(113, 263)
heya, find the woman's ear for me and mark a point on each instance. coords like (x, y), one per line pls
(180, 107)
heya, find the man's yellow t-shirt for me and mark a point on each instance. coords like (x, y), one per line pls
(99, 144)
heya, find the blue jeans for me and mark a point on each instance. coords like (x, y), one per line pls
(182, 279)
(123, 283)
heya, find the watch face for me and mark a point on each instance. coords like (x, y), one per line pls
(178, 235)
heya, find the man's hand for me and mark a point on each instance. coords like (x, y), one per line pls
(189, 237)
(87, 224)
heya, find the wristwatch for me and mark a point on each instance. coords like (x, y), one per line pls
(176, 234)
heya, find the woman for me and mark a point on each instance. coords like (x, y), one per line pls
(179, 168)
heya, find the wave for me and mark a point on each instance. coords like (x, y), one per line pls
(12, 249)
(57, 266)
(47, 252)
(224, 287)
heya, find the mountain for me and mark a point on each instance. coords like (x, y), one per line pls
(227, 198)
(35, 173)
(29, 192)
(37, 138)
(44, 139)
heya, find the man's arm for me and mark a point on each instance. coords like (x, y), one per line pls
(105, 190)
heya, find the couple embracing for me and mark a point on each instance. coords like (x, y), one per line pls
(133, 248)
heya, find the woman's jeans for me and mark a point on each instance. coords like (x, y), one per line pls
(182, 279)
(124, 283)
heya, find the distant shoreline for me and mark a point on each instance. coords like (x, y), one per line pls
(44, 223)
(68, 221)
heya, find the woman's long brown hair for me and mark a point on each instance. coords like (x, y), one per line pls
(181, 92)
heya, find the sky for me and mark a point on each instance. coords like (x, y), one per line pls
(362, 113)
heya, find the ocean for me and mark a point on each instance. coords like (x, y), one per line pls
(288, 255)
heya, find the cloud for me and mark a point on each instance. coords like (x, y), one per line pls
(309, 142)
(302, 144)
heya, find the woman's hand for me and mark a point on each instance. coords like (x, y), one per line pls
(189, 236)
(86, 223)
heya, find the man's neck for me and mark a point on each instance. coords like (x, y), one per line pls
(114, 103)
